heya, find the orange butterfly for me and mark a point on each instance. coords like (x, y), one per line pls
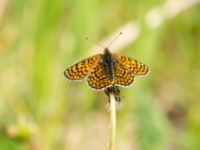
(107, 70)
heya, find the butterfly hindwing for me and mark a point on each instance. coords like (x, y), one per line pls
(98, 79)
(122, 75)
(82, 68)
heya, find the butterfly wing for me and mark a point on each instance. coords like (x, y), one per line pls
(98, 79)
(82, 68)
(134, 66)
(123, 77)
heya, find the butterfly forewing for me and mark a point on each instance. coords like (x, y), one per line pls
(82, 68)
(98, 79)
(134, 66)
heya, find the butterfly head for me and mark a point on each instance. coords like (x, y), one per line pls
(106, 54)
(106, 50)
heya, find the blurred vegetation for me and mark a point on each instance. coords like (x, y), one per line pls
(41, 110)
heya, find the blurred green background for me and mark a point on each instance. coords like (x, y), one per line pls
(41, 110)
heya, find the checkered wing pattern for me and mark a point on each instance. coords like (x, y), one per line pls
(98, 79)
(123, 77)
(133, 66)
(82, 68)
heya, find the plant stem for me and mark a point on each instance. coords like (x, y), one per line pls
(112, 122)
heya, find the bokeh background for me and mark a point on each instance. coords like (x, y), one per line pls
(41, 110)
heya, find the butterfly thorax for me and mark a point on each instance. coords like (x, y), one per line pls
(108, 63)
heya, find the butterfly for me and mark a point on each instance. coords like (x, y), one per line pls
(107, 70)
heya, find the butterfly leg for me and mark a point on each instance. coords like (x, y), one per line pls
(114, 90)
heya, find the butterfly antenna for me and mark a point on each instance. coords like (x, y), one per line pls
(94, 42)
(114, 39)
